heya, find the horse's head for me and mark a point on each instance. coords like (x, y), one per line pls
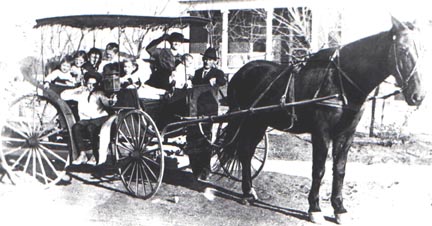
(403, 59)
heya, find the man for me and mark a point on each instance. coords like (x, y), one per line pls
(92, 103)
(199, 150)
(164, 60)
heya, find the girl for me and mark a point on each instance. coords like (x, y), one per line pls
(62, 75)
(77, 70)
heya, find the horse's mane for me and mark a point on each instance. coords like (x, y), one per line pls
(363, 46)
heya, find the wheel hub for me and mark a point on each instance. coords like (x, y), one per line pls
(32, 141)
(135, 154)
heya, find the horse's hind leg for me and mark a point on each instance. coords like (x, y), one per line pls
(250, 135)
(320, 144)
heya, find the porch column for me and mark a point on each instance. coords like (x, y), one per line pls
(224, 44)
(269, 34)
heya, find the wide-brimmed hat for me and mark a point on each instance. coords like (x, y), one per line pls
(210, 53)
(177, 37)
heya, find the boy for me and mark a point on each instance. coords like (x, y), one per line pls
(91, 108)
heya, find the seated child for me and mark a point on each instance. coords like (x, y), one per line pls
(92, 107)
(134, 78)
(77, 70)
(62, 75)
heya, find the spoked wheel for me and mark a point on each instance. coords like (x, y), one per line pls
(139, 154)
(35, 140)
(233, 168)
(5, 170)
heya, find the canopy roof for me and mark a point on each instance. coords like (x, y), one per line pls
(114, 21)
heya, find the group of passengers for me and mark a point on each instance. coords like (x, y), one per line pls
(82, 75)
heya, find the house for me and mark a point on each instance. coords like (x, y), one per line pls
(280, 31)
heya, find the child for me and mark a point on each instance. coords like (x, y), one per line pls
(184, 72)
(134, 78)
(77, 70)
(94, 59)
(92, 107)
(61, 76)
(112, 54)
(130, 79)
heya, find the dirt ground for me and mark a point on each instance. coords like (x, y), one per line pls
(387, 183)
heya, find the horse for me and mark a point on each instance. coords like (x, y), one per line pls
(351, 71)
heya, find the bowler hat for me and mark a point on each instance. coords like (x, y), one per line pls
(211, 53)
(177, 37)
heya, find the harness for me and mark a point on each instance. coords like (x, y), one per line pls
(289, 96)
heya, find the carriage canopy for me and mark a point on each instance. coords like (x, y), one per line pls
(114, 21)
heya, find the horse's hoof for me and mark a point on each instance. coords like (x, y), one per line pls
(316, 217)
(247, 200)
(340, 218)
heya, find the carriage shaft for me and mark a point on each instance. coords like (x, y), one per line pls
(187, 121)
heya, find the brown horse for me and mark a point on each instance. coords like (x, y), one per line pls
(352, 71)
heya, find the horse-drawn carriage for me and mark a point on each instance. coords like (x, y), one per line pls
(37, 137)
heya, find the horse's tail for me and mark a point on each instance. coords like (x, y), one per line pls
(244, 88)
(228, 150)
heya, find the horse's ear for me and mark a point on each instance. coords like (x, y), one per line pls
(397, 25)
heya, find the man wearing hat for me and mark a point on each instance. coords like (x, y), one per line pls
(199, 150)
(164, 60)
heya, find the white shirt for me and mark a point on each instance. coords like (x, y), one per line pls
(182, 75)
(88, 108)
(58, 74)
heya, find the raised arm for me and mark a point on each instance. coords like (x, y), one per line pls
(151, 47)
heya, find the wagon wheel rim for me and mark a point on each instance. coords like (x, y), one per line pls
(33, 141)
(139, 154)
(233, 168)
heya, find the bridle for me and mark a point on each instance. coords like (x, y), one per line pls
(398, 73)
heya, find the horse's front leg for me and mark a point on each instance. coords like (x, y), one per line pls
(341, 146)
(320, 145)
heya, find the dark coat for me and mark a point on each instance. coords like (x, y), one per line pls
(163, 63)
(213, 73)
(207, 104)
